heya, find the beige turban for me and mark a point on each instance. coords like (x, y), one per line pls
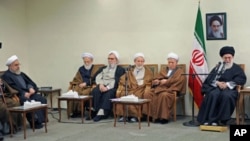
(87, 54)
(173, 55)
(115, 53)
(11, 60)
(139, 54)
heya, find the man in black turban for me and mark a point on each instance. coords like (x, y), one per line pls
(227, 50)
(220, 90)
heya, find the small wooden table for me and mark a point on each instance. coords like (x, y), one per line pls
(50, 92)
(24, 111)
(82, 99)
(139, 103)
(240, 116)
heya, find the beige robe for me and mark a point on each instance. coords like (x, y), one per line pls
(162, 96)
(133, 88)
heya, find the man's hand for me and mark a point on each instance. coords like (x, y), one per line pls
(27, 95)
(82, 85)
(103, 88)
(221, 85)
(163, 81)
(156, 82)
(31, 91)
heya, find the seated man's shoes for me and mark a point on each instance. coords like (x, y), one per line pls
(164, 121)
(93, 114)
(133, 119)
(121, 119)
(75, 115)
(1, 136)
(38, 125)
(97, 118)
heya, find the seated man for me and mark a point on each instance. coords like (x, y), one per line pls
(138, 78)
(219, 89)
(162, 93)
(27, 89)
(107, 82)
(11, 100)
(82, 81)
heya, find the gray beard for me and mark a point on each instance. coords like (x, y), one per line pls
(18, 72)
(228, 65)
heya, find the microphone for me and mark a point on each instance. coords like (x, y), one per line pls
(221, 68)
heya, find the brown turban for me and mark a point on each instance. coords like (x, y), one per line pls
(227, 50)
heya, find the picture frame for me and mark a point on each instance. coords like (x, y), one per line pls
(216, 26)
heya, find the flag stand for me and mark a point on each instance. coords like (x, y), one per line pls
(193, 122)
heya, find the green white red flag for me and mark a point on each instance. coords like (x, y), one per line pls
(198, 64)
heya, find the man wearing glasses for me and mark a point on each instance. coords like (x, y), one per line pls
(106, 79)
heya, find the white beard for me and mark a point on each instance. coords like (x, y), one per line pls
(112, 65)
(217, 34)
(88, 67)
(138, 67)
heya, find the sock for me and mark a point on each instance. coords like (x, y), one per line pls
(100, 112)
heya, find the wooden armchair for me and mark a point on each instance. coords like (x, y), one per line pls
(12, 93)
(178, 96)
(238, 107)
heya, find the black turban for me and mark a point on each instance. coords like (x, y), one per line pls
(227, 50)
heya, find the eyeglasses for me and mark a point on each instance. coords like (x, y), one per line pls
(111, 58)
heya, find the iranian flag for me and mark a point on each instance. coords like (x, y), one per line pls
(198, 63)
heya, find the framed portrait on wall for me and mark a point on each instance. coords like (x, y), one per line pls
(216, 26)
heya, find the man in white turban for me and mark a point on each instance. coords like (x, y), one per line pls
(26, 87)
(107, 82)
(165, 84)
(139, 79)
(82, 82)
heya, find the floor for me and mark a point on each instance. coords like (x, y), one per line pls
(72, 129)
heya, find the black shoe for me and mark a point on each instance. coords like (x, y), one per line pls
(164, 121)
(38, 125)
(97, 118)
(1, 136)
(75, 115)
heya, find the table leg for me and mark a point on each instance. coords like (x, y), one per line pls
(124, 112)
(114, 111)
(82, 109)
(51, 105)
(90, 107)
(68, 114)
(59, 109)
(46, 118)
(148, 109)
(11, 124)
(24, 125)
(33, 121)
(139, 115)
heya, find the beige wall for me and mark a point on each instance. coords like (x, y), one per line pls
(50, 35)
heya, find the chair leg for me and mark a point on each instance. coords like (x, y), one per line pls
(183, 107)
(174, 109)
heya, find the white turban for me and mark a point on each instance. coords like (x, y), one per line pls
(173, 55)
(139, 54)
(87, 54)
(115, 53)
(11, 60)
